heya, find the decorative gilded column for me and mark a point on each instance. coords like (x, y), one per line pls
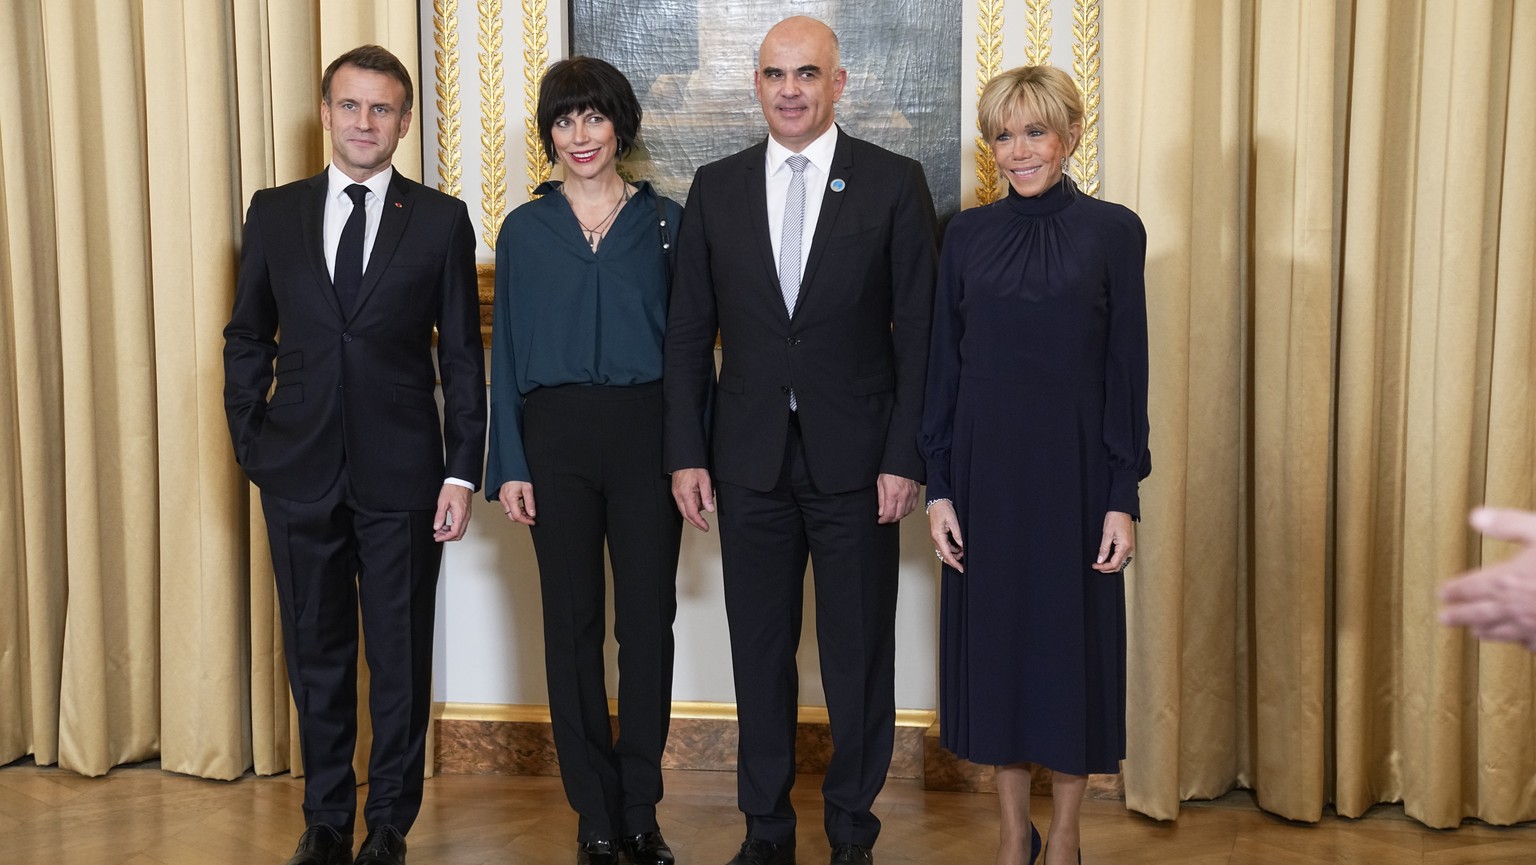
(989, 62)
(445, 34)
(1037, 32)
(1085, 69)
(493, 122)
(535, 60)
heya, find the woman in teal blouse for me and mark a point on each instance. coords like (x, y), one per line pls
(575, 450)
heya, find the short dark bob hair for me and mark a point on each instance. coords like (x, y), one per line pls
(374, 59)
(578, 84)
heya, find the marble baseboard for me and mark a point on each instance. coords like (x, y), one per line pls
(517, 740)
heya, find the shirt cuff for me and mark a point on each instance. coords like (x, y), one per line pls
(458, 483)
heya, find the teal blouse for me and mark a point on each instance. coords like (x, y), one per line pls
(567, 315)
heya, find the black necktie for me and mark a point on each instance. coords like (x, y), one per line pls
(348, 276)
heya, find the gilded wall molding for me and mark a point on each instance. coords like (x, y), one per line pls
(445, 34)
(1085, 69)
(919, 718)
(1037, 32)
(535, 61)
(989, 62)
(493, 122)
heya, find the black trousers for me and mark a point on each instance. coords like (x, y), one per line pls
(333, 557)
(765, 538)
(595, 456)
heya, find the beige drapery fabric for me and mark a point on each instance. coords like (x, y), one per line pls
(1341, 207)
(137, 613)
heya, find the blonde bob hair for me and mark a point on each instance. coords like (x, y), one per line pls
(1040, 94)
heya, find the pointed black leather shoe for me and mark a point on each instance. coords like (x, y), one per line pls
(755, 852)
(383, 846)
(598, 853)
(322, 845)
(648, 848)
(851, 854)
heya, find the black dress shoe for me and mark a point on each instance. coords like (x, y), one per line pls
(648, 848)
(322, 845)
(383, 846)
(598, 853)
(851, 854)
(755, 852)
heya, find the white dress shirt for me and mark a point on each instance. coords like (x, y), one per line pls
(817, 175)
(338, 208)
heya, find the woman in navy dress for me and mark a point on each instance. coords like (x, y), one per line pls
(1035, 432)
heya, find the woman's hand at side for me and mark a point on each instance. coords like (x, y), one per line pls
(944, 528)
(517, 500)
(1117, 544)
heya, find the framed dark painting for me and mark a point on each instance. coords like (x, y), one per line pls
(691, 63)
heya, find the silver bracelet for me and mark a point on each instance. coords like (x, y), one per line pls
(931, 502)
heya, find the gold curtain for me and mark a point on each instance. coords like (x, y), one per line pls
(137, 612)
(1341, 208)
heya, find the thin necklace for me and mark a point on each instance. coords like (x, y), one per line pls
(594, 234)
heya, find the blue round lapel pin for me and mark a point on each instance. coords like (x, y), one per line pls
(838, 185)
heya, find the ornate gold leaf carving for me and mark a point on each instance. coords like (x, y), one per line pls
(493, 122)
(1037, 32)
(1085, 69)
(535, 59)
(445, 34)
(989, 62)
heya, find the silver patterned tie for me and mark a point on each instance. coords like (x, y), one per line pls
(790, 241)
(794, 227)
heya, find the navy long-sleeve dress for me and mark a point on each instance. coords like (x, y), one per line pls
(1035, 425)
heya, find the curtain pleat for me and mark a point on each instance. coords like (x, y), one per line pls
(1371, 418)
(1290, 396)
(33, 519)
(108, 712)
(1183, 148)
(192, 193)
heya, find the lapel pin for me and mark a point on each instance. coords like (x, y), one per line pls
(838, 185)
(398, 204)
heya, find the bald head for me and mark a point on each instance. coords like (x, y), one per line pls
(803, 29)
(799, 79)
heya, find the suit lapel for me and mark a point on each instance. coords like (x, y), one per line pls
(831, 205)
(755, 196)
(312, 227)
(396, 213)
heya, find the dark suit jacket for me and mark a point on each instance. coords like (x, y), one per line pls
(356, 389)
(855, 350)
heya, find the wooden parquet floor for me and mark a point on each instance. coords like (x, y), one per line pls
(140, 815)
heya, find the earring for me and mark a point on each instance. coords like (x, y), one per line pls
(1069, 186)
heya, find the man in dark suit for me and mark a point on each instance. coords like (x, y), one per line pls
(812, 443)
(343, 277)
